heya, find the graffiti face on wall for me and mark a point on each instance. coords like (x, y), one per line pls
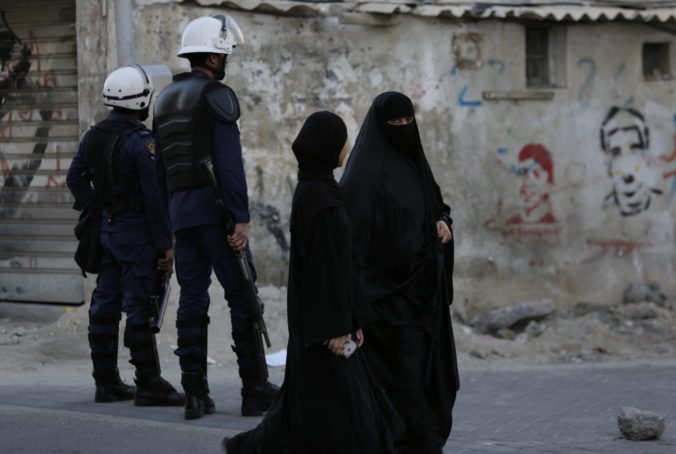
(537, 180)
(625, 141)
(534, 217)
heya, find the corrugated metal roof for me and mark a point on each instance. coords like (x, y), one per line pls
(563, 11)
(570, 13)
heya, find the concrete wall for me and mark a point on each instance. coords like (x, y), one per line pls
(579, 246)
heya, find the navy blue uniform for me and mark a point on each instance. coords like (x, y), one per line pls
(201, 246)
(195, 121)
(131, 239)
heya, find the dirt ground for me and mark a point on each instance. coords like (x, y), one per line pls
(35, 337)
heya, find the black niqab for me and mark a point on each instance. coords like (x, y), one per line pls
(403, 138)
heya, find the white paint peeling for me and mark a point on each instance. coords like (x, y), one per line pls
(292, 66)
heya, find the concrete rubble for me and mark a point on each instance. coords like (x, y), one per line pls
(500, 319)
(640, 425)
(639, 292)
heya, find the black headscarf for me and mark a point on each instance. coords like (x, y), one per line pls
(317, 149)
(389, 187)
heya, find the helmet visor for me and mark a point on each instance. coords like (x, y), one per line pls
(229, 24)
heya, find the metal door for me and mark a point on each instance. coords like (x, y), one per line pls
(38, 137)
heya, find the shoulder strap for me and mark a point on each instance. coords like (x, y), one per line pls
(115, 139)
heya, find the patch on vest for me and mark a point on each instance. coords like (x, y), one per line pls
(150, 146)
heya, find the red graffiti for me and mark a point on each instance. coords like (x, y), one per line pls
(530, 230)
(4, 166)
(620, 247)
(54, 181)
(534, 218)
(668, 159)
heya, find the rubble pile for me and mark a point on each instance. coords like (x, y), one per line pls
(642, 326)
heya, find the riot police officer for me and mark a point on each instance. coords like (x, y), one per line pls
(195, 120)
(113, 174)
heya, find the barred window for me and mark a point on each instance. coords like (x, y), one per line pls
(656, 64)
(537, 57)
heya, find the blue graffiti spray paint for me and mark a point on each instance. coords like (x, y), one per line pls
(585, 90)
(467, 103)
(499, 65)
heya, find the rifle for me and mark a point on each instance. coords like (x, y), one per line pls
(254, 303)
(159, 299)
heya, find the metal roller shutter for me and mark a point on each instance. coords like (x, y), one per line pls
(38, 137)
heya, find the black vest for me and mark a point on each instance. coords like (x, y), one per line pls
(183, 129)
(119, 193)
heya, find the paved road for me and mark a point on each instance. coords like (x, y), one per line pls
(548, 409)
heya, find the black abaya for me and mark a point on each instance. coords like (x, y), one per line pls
(327, 404)
(393, 203)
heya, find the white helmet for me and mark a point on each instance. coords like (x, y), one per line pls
(128, 87)
(213, 35)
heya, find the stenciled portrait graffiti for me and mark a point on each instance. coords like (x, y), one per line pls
(533, 215)
(625, 142)
(536, 169)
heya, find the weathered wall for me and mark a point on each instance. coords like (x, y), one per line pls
(96, 57)
(577, 245)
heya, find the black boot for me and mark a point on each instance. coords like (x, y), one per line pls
(193, 383)
(151, 388)
(257, 396)
(209, 404)
(155, 391)
(197, 400)
(257, 392)
(103, 339)
(111, 388)
(192, 352)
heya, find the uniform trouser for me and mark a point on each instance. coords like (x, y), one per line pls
(199, 250)
(398, 356)
(123, 284)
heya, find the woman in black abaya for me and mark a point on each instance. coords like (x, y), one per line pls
(403, 249)
(328, 403)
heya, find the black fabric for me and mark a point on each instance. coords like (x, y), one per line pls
(393, 203)
(142, 348)
(88, 253)
(182, 126)
(102, 141)
(403, 138)
(327, 404)
(317, 148)
(118, 193)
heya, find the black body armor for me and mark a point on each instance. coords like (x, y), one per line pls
(182, 126)
(120, 193)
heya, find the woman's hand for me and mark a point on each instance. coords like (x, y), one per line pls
(336, 344)
(359, 338)
(444, 232)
